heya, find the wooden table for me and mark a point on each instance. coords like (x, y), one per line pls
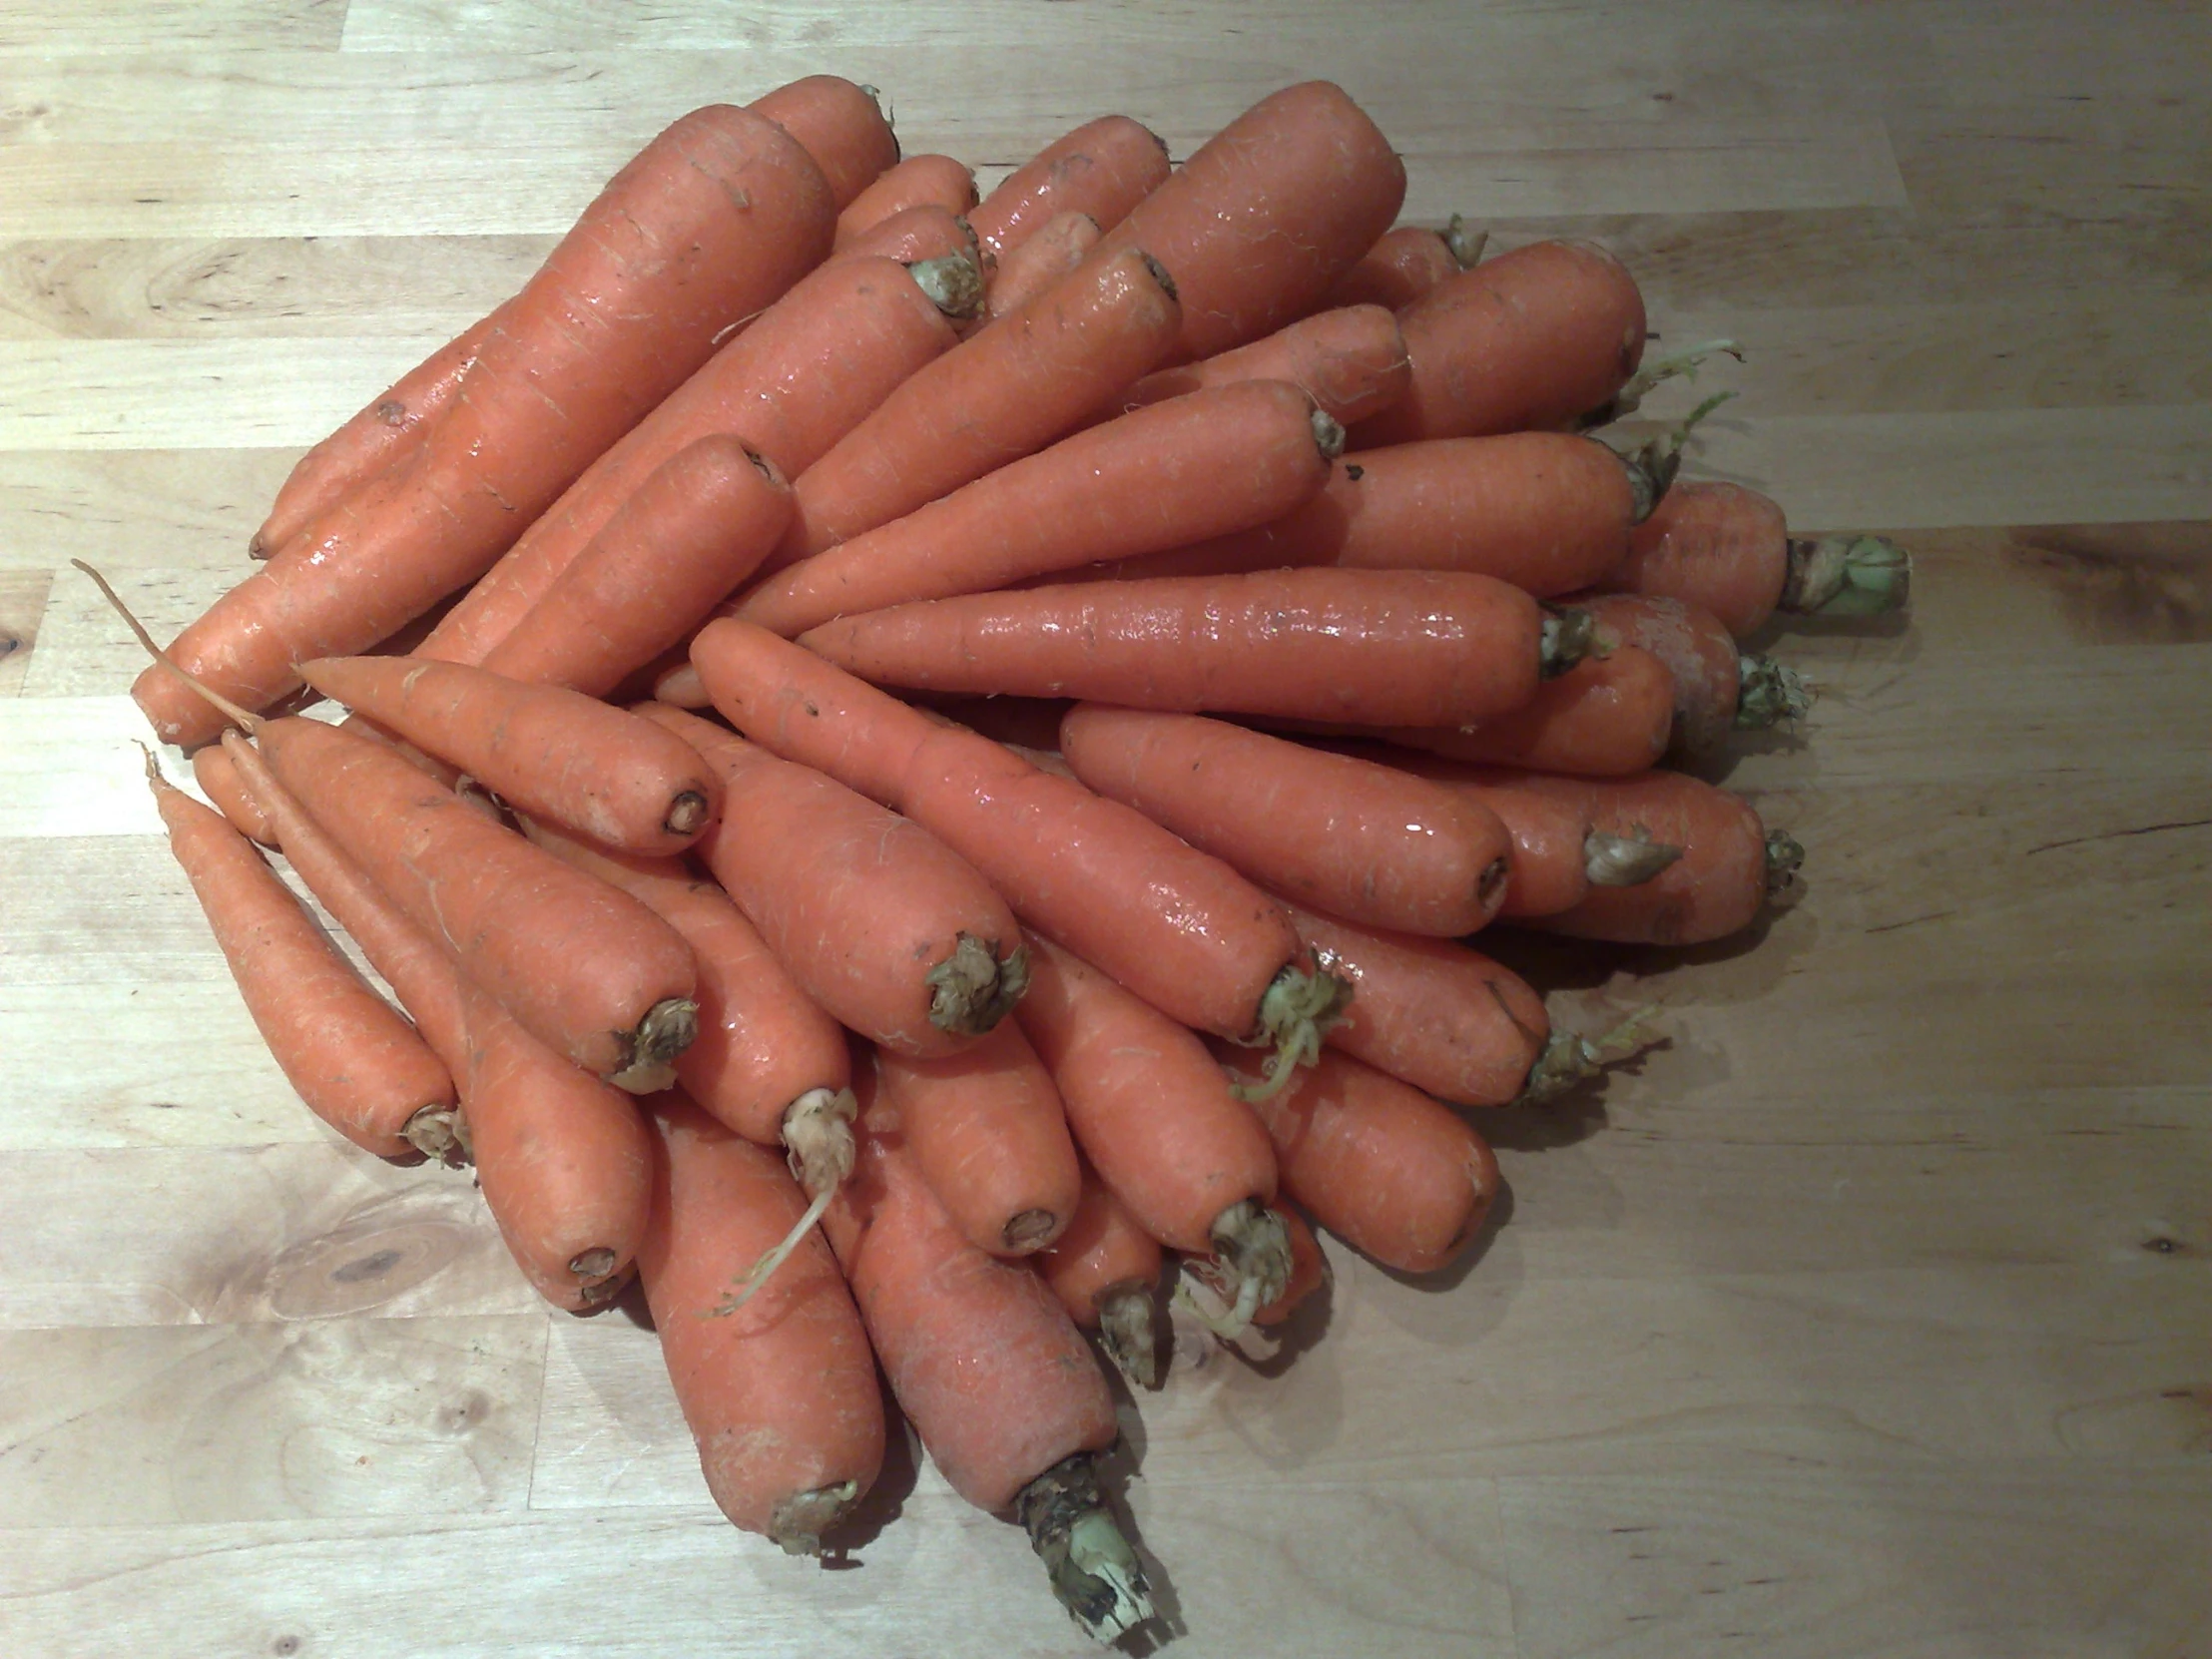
(1871, 1315)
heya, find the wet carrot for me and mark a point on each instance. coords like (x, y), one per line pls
(1351, 362)
(217, 777)
(1056, 248)
(919, 181)
(1101, 169)
(1405, 263)
(922, 232)
(840, 125)
(1105, 1269)
(1607, 717)
(1716, 688)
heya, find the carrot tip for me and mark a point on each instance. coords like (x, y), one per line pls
(1328, 434)
(798, 1522)
(1769, 693)
(1129, 1332)
(1564, 639)
(666, 1031)
(687, 814)
(138, 630)
(1846, 576)
(1624, 860)
(1785, 853)
(1464, 242)
(954, 284)
(1030, 1230)
(818, 1136)
(1094, 1572)
(439, 1134)
(971, 990)
(257, 546)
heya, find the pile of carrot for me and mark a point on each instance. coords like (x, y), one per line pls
(967, 744)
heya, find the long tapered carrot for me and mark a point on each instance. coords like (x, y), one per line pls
(780, 1395)
(1371, 647)
(1351, 362)
(1269, 213)
(1405, 263)
(1607, 717)
(1105, 1269)
(986, 1128)
(1716, 688)
(551, 751)
(840, 125)
(1056, 248)
(692, 531)
(1334, 833)
(1380, 1164)
(880, 923)
(1006, 1396)
(1101, 169)
(359, 1066)
(219, 780)
(1202, 466)
(919, 181)
(807, 371)
(717, 217)
(922, 232)
(1178, 927)
(1537, 337)
(1005, 391)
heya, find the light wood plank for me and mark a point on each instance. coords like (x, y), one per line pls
(90, 655)
(68, 766)
(134, 26)
(22, 603)
(120, 508)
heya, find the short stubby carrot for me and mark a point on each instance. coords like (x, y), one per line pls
(1607, 717)
(1369, 647)
(1405, 263)
(1351, 361)
(1006, 1396)
(1267, 215)
(1380, 1164)
(1056, 248)
(1102, 169)
(1430, 1012)
(359, 1066)
(1534, 338)
(1105, 1269)
(919, 181)
(1716, 688)
(924, 231)
(1715, 545)
(809, 369)
(874, 917)
(594, 975)
(716, 217)
(216, 774)
(1006, 390)
(547, 750)
(780, 1395)
(1333, 833)
(840, 125)
(692, 531)
(1215, 461)
(986, 1129)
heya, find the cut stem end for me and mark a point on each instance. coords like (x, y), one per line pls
(972, 989)
(1094, 1572)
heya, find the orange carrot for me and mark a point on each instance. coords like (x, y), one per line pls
(1001, 393)
(934, 180)
(1606, 716)
(780, 1395)
(1212, 462)
(359, 1065)
(1406, 264)
(629, 302)
(1380, 1164)
(1372, 647)
(1101, 169)
(922, 232)
(1342, 834)
(1180, 929)
(1534, 338)
(1351, 362)
(692, 531)
(219, 780)
(1268, 215)
(389, 428)
(1056, 248)
(1309, 1269)
(546, 749)
(840, 126)
(1008, 1401)
(1717, 689)
(987, 1130)
(1105, 1269)
(805, 373)
(874, 916)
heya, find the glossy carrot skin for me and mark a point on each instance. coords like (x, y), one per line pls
(1712, 544)
(1548, 859)
(1103, 1249)
(840, 125)
(1351, 361)
(1101, 169)
(1056, 248)
(781, 1395)
(1405, 263)
(919, 181)
(924, 231)
(981, 1357)
(1607, 717)
(217, 777)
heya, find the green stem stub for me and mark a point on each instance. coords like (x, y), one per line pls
(668, 1028)
(971, 990)
(1567, 636)
(1464, 242)
(1295, 1010)
(1094, 1572)
(1784, 854)
(798, 1522)
(1129, 1332)
(1655, 372)
(954, 284)
(1767, 694)
(1625, 861)
(1846, 576)
(1660, 461)
(1251, 1266)
(1568, 1057)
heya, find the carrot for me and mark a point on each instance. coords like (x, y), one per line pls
(1407, 262)
(922, 232)
(1380, 1164)
(1730, 865)
(1269, 213)
(999, 394)
(1105, 1269)
(1101, 169)
(781, 1395)
(1309, 1269)
(1430, 1012)
(1008, 1401)
(1550, 512)
(1040, 259)
(1717, 689)
(359, 1065)
(986, 1131)
(840, 125)
(389, 428)
(878, 920)
(1846, 576)
(1177, 928)
(692, 531)
(1214, 461)
(1372, 647)
(805, 373)
(546, 749)
(934, 180)
(1606, 716)
(1534, 338)
(1351, 362)
(219, 780)
(629, 304)
(1343, 835)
